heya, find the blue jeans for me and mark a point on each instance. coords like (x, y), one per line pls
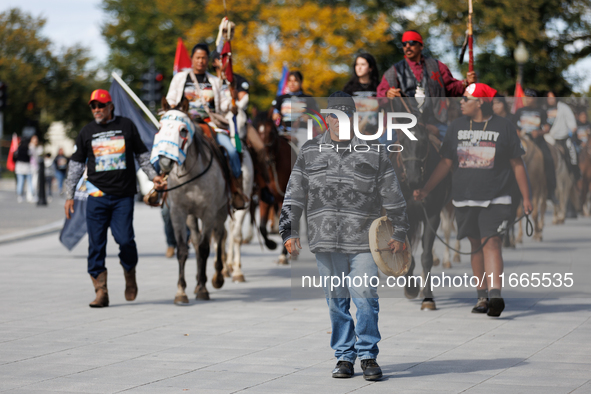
(117, 213)
(20, 184)
(60, 176)
(224, 141)
(168, 230)
(347, 340)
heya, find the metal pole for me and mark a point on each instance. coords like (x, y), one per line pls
(136, 99)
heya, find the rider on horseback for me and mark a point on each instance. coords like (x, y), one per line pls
(204, 93)
(531, 119)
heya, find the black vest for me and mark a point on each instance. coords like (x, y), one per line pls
(401, 76)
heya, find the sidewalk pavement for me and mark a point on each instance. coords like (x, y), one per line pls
(19, 221)
(254, 338)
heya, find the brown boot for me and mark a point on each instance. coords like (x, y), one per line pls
(239, 199)
(100, 288)
(170, 252)
(130, 284)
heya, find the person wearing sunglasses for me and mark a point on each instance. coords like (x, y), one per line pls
(106, 147)
(484, 151)
(344, 189)
(422, 77)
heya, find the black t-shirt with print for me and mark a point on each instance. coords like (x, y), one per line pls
(530, 119)
(480, 156)
(109, 149)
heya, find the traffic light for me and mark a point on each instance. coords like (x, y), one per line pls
(3, 96)
(152, 86)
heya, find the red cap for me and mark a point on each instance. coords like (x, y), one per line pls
(482, 91)
(412, 36)
(100, 95)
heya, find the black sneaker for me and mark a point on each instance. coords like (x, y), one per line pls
(344, 369)
(371, 369)
(481, 306)
(495, 307)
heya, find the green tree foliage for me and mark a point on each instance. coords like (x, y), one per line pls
(42, 86)
(137, 30)
(556, 33)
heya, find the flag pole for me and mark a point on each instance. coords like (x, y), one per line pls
(470, 39)
(136, 99)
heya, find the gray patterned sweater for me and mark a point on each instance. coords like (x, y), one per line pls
(343, 193)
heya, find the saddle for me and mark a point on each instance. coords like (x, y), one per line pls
(234, 185)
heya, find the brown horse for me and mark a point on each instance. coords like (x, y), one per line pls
(281, 156)
(534, 162)
(414, 165)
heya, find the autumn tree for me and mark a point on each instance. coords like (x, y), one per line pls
(320, 39)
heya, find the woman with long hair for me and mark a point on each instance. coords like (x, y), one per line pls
(363, 86)
(365, 78)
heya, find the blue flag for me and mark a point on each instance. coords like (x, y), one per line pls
(75, 227)
(124, 106)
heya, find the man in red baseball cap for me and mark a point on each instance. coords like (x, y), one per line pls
(107, 147)
(419, 76)
(485, 152)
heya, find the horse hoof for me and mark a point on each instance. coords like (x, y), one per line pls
(226, 272)
(411, 292)
(238, 278)
(446, 265)
(201, 293)
(436, 262)
(428, 305)
(217, 281)
(181, 300)
(282, 260)
(270, 244)
(457, 259)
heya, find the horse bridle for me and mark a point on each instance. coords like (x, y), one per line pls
(413, 158)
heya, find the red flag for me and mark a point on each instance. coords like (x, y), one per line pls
(181, 57)
(13, 148)
(518, 102)
(227, 61)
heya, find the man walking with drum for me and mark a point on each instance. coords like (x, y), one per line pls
(344, 183)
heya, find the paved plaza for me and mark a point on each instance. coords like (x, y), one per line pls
(254, 337)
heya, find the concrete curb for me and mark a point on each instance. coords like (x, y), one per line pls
(32, 233)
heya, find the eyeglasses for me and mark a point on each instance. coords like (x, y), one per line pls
(95, 105)
(466, 99)
(348, 113)
(411, 43)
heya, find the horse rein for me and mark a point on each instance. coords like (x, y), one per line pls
(529, 230)
(196, 176)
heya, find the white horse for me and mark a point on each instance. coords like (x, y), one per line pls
(198, 191)
(233, 262)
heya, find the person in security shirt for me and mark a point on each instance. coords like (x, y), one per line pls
(106, 147)
(483, 149)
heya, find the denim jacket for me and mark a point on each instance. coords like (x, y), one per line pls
(343, 192)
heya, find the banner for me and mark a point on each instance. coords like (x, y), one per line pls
(75, 227)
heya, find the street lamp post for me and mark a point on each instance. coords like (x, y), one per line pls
(521, 56)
